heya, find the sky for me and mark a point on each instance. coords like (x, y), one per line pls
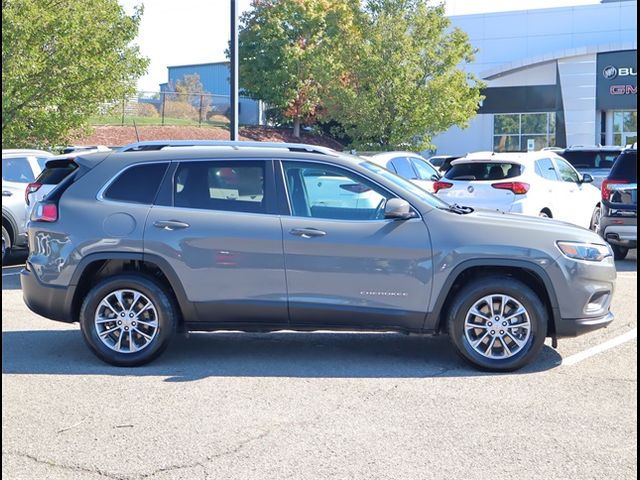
(197, 31)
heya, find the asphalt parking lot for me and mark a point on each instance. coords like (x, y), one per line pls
(320, 405)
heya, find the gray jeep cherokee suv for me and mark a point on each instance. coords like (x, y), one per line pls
(138, 245)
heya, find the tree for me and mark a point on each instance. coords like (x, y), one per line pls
(287, 53)
(406, 84)
(61, 60)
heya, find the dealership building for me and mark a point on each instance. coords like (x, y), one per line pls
(554, 77)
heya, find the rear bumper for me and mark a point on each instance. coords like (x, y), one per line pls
(52, 302)
(620, 230)
(572, 327)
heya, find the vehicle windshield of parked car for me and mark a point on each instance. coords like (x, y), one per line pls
(423, 195)
(586, 159)
(626, 167)
(484, 171)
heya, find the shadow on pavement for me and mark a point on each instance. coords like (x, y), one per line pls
(305, 355)
(629, 264)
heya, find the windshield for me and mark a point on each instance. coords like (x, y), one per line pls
(423, 195)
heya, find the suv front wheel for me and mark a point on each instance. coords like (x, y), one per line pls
(127, 320)
(497, 323)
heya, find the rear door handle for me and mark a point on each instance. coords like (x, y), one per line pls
(6, 193)
(307, 232)
(170, 224)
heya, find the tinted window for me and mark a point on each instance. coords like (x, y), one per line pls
(17, 170)
(545, 169)
(403, 167)
(625, 168)
(483, 171)
(336, 193)
(425, 171)
(138, 184)
(590, 159)
(567, 174)
(217, 185)
(55, 171)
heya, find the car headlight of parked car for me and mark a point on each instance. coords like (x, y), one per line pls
(591, 252)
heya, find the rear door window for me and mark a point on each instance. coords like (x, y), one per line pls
(424, 170)
(237, 186)
(484, 171)
(17, 170)
(403, 167)
(137, 184)
(545, 169)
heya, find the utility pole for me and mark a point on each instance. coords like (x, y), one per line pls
(233, 67)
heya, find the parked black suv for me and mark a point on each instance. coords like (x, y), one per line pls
(594, 160)
(619, 217)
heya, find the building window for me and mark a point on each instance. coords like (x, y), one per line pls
(512, 132)
(625, 128)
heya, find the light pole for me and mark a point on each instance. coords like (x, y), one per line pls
(233, 117)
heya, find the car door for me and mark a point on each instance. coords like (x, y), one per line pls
(348, 266)
(576, 200)
(216, 225)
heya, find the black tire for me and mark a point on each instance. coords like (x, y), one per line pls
(166, 319)
(544, 214)
(594, 225)
(6, 244)
(474, 292)
(619, 253)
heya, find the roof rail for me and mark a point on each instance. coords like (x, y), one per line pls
(161, 144)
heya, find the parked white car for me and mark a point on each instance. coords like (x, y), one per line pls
(534, 183)
(409, 165)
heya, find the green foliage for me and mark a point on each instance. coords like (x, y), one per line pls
(406, 84)
(287, 52)
(62, 60)
(385, 73)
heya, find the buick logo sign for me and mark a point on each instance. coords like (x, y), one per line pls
(470, 189)
(610, 72)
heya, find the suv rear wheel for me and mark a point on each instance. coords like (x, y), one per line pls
(497, 323)
(619, 253)
(127, 320)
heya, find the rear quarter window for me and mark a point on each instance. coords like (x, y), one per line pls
(483, 171)
(17, 170)
(625, 167)
(137, 184)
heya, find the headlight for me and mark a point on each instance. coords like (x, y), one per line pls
(591, 252)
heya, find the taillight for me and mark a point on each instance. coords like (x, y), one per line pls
(355, 187)
(519, 188)
(604, 189)
(440, 185)
(45, 212)
(31, 188)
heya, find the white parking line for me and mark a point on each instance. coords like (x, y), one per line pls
(590, 352)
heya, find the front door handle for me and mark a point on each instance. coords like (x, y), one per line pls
(6, 193)
(170, 224)
(307, 232)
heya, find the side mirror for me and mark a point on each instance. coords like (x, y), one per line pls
(435, 178)
(398, 209)
(586, 178)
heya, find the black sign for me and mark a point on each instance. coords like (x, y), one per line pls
(617, 83)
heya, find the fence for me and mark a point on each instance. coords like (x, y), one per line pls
(173, 108)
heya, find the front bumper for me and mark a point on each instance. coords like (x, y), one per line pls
(572, 327)
(51, 302)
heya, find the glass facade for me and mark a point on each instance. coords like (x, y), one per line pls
(625, 127)
(512, 132)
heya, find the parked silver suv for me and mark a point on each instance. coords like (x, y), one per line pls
(137, 245)
(19, 168)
